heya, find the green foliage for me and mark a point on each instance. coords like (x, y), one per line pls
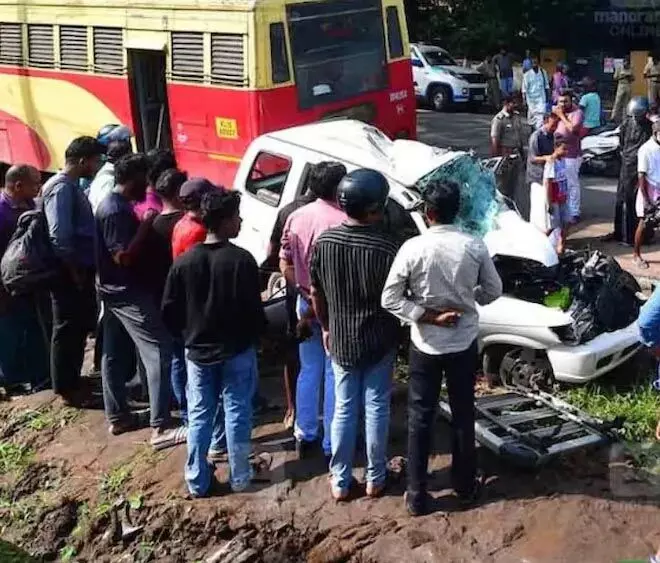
(639, 407)
(14, 457)
(476, 27)
(11, 554)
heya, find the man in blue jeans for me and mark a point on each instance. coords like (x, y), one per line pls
(302, 229)
(349, 267)
(213, 300)
(649, 333)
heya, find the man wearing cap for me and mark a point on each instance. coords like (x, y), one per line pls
(302, 229)
(349, 266)
(189, 230)
(434, 284)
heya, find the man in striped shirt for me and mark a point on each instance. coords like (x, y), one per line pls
(349, 267)
(301, 231)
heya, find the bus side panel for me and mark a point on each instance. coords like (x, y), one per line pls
(211, 129)
(42, 111)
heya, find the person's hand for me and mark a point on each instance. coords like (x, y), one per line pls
(445, 318)
(326, 340)
(657, 432)
(304, 330)
(558, 111)
(149, 215)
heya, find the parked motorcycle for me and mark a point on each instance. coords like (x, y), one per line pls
(600, 152)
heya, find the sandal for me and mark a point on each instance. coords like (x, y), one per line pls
(261, 464)
(164, 439)
(640, 263)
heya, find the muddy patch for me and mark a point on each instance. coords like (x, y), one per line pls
(52, 532)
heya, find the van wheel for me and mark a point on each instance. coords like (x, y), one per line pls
(276, 284)
(440, 98)
(524, 367)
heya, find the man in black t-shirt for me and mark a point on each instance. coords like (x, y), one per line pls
(291, 364)
(213, 300)
(129, 305)
(349, 267)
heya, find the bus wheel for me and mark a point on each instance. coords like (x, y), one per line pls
(440, 98)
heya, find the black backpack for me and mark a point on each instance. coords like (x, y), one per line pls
(29, 263)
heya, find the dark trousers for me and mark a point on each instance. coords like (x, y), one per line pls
(426, 376)
(625, 216)
(74, 317)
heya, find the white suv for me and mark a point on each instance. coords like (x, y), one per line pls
(441, 81)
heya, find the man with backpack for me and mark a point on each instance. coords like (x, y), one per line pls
(23, 344)
(71, 232)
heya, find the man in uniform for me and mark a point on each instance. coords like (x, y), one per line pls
(624, 77)
(634, 132)
(488, 69)
(507, 139)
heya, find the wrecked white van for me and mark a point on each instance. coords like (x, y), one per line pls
(523, 341)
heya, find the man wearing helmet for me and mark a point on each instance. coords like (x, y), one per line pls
(349, 266)
(634, 132)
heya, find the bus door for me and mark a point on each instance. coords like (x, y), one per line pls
(151, 113)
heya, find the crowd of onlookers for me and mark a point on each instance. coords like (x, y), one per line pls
(144, 262)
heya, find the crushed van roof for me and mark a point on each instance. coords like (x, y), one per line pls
(351, 141)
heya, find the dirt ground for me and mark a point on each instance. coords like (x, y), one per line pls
(57, 503)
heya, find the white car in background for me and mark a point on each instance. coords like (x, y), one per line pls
(441, 81)
(524, 342)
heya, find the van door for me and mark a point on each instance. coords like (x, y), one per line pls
(151, 113)
(268, 179)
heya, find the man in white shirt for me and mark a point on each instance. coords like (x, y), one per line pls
(434, 284)
(648, 192)
(104, 181)
(536, 93)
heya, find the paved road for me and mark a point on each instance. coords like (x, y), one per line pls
(464, 131)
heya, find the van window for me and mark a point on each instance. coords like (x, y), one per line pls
(279, 59)
(268, 177)
(394, 40)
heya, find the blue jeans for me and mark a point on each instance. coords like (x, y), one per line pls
(315, 367)
(179, 382)
(649, 321)
(371, 386)
(506, 85)
(232, 383)
(179, 377)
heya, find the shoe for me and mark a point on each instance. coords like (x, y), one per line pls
(611, 237)
(640, 263)
(417, 504)
(376, 491)
(344, 495)
(468, 500)
(128, 424)
(306, 450)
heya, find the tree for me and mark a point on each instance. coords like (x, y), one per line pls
(475, 27)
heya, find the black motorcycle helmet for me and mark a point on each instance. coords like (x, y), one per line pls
(362, 191)
(638, 107)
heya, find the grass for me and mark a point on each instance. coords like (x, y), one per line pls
(112, 482)
(639, 406)
(12, 554)
(44, 419)
(14, 457)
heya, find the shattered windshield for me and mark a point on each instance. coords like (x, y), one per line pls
(480, 202)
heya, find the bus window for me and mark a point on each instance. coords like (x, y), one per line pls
(394, 40)
(279, 61)
(268, 177)
(338, 49)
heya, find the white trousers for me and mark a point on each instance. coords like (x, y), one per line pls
(574, 188)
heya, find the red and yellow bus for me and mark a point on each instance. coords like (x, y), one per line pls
(203, 77)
